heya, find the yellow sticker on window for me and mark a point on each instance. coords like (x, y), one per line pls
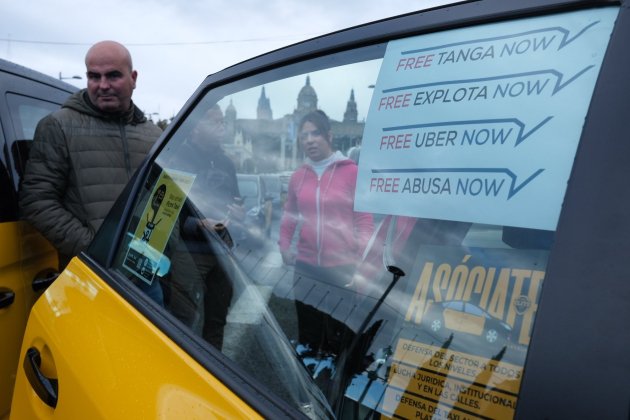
(145, 255)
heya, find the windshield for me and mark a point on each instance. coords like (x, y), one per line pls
(404, 201)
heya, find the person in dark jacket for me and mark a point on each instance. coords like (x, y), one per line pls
(200, 289)
(83, 154)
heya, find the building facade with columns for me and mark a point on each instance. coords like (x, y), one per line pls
(267, 144)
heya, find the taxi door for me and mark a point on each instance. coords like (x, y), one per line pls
(132, 370)
(28, 262)
(24, 272)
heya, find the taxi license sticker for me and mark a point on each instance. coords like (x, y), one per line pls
(145, 258)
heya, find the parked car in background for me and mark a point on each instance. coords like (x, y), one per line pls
(257, 202)
(494, 160)
(28, 263)
(273, 185)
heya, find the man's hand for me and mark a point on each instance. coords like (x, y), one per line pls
(235, 212)
(219, 228)
(209, 223)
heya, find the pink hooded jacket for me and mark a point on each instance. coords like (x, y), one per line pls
(331, 233)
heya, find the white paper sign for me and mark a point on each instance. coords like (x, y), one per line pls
(482, 124)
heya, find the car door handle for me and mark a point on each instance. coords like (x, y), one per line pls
(7, 296)
(44, 279)
(45, 388)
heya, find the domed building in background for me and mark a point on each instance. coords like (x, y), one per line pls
(265, 144)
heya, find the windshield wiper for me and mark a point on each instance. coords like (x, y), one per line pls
(348, 363)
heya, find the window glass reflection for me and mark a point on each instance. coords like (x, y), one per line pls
(264, 255)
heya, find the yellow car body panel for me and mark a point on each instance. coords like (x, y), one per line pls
(23, 254)
(111, 362)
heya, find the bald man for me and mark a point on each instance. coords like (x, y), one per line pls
(84, 154)
(111, 78)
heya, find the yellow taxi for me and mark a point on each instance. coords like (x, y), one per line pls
(28, 263)
(473, 155)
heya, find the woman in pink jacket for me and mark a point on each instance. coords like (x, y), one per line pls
(331, 235)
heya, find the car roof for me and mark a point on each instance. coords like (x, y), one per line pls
(419, 22)
(31, 74)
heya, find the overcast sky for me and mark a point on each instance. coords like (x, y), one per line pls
(174, 44)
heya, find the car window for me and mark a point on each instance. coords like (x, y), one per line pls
(407, 283)
(8, 208)
(25, 113)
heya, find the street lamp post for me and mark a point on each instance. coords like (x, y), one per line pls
(65, 78)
